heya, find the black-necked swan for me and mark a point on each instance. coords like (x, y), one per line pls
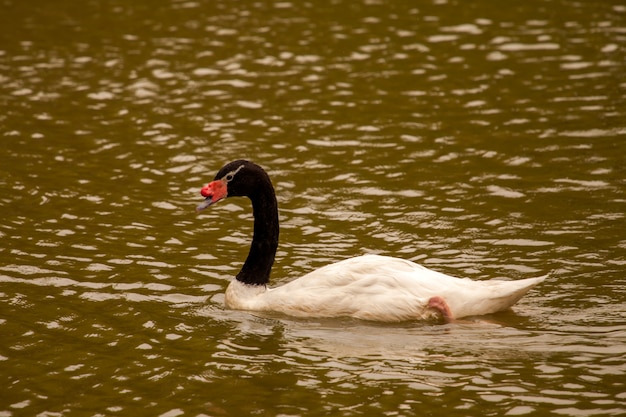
(369, 287)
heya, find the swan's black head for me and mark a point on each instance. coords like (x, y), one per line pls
(239, 178)
(246, 179)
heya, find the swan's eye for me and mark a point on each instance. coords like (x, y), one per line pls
(229, 177)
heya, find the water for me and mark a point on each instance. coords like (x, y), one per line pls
(481, 140)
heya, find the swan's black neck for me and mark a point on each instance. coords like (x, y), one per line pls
(256, 270)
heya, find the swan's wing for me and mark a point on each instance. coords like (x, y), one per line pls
(382, 273)
(368, 287)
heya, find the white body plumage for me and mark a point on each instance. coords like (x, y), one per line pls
(380, 288)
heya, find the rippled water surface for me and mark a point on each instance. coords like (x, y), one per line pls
(480, 139)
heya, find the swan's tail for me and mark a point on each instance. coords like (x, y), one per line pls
(496, 295)
(514, 290)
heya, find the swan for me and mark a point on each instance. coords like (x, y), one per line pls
(369, 287)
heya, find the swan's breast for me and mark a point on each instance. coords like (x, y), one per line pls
(240, 296)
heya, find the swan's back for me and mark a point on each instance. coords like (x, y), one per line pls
(380, 288)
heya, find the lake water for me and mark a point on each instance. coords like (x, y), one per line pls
(480, 139)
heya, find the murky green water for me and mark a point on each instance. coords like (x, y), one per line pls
(481, 139)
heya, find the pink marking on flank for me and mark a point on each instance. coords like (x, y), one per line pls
(439, 304)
